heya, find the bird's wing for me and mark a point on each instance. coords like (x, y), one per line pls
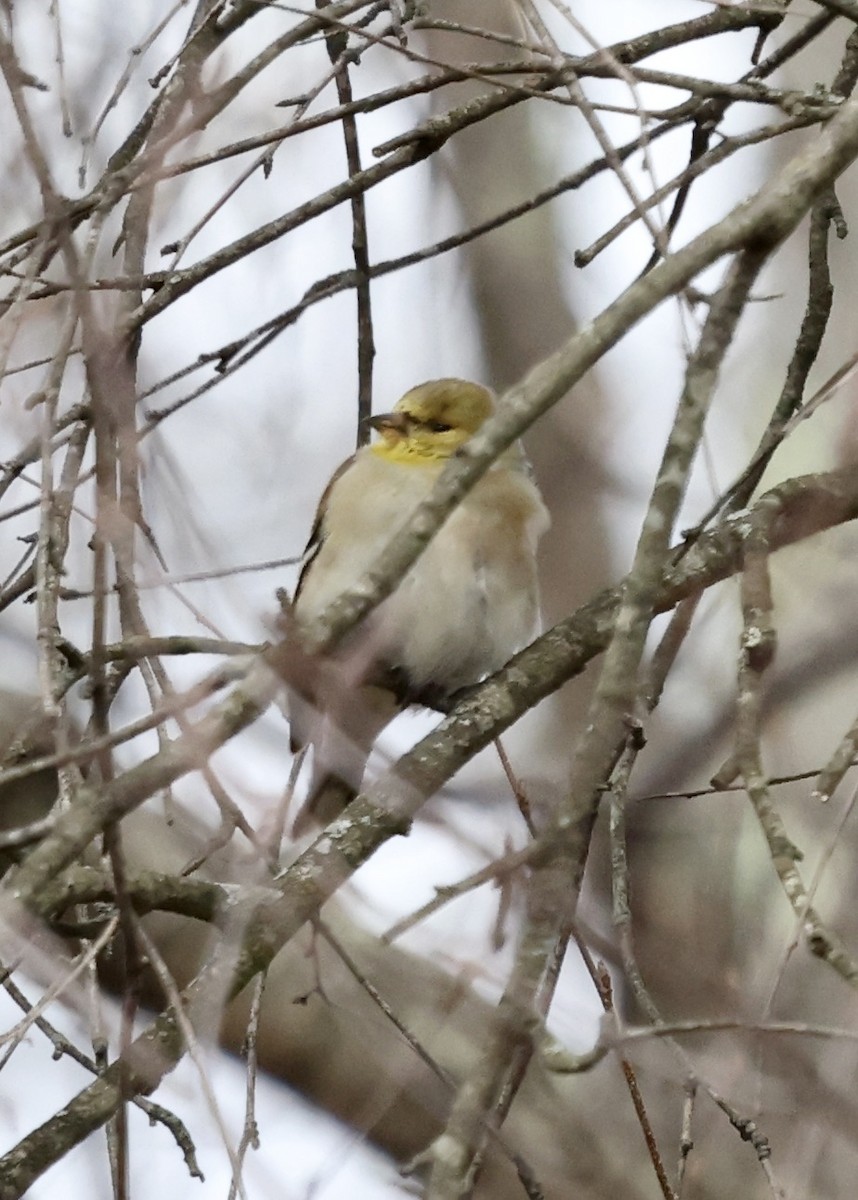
(343, 714)
(317, 532)
(300, 710)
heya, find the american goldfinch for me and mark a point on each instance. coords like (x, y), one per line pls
(468, 603)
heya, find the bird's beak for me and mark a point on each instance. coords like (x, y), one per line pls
(392, 426)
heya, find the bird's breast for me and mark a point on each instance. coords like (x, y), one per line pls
(471, 599)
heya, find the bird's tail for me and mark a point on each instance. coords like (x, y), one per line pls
(342, 730)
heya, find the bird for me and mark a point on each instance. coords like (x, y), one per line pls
(468, 603)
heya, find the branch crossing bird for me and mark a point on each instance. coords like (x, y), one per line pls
(469, 602)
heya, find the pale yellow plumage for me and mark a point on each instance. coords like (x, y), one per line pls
(468, 603)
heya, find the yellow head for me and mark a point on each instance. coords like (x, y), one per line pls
(432, 420)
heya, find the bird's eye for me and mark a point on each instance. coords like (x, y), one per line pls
(438, 426)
